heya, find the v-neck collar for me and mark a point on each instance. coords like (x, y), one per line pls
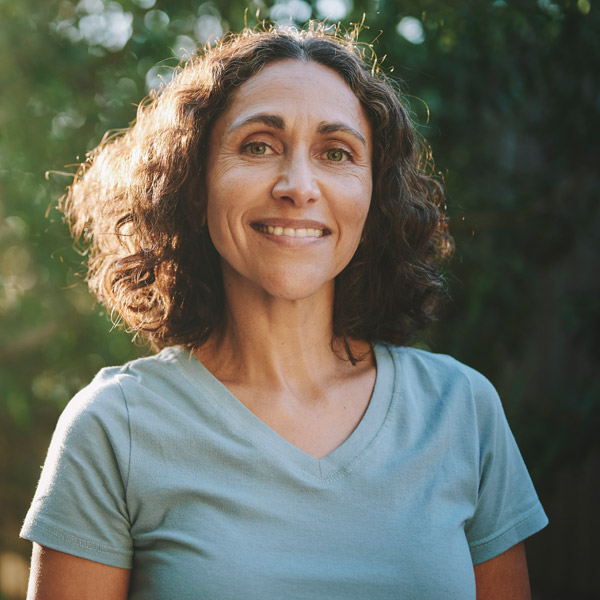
(332, 465)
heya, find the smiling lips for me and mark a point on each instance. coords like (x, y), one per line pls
(295, 232)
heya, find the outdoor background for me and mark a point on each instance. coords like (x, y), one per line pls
(508, 95)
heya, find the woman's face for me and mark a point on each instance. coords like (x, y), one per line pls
(289, 181)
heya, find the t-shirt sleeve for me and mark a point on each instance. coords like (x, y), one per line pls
(508, 509)
(80, 506)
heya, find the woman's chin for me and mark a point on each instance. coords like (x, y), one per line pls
(297, 291)
(287, 287)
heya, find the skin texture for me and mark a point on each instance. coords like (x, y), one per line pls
(292, 150)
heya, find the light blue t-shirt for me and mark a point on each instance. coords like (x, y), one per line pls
(158, 467)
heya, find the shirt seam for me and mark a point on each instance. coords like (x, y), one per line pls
(80, 542)
(490, 539)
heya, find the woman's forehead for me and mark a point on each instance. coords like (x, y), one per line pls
(289, 89)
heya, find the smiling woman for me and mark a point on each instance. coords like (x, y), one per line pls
(140, 202)
(267, 226)
(286, 159)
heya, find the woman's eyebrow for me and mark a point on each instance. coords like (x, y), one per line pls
(270, 120)
(325, 128)
(277, 123)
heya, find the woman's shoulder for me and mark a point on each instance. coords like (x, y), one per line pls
(441, 389)
(441, 375)
(106, 396)
(433, 363)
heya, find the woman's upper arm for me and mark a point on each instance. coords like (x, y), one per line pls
(504, 577)
(55, 575)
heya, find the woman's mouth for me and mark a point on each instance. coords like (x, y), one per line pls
(295, 232)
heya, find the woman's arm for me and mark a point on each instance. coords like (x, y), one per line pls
(504, 577)
(55, 575)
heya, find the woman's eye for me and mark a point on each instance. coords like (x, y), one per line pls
(257, 148)
(336, 155)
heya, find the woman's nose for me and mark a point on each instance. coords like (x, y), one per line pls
(297, 181)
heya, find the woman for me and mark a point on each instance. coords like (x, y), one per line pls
(266, 225)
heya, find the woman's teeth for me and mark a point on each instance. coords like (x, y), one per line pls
(290, 232)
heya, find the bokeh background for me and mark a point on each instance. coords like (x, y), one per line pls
(507, 93)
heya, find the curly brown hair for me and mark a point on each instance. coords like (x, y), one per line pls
(138, 202)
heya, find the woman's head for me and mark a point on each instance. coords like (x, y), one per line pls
(141, 202)
(288, 182)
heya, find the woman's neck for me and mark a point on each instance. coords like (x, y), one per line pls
(279, 341)
(276, 357)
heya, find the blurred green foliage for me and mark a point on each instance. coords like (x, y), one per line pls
(507, 93)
